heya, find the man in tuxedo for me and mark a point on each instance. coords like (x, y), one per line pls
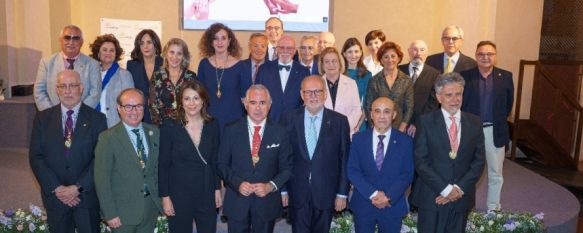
(449, 160)
(380, 167)
(283, 78)
(126, 168)
(423, 78)
(273, 31)
(451, 60)
(320, 140)
(257, 50)
(254, 162)
(325, 40)
(308, 54)
(489, 93)
(61, 157)
(70, 58)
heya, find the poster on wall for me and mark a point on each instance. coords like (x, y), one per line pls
(126, 30)
(250, 15)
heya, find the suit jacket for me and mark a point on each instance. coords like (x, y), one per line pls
(282, 100)
(463, 63)
(119, 178)
(327, 168)
(435, 169)
(52, 168)
(121, 80)
(347, 101)
(138, 71)
(249, 67)
(423, 91)
(393, 179)
(501, 106)
(314, 69)
(45, 86)
(235, 167)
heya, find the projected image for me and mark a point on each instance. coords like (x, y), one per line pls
(298, 15)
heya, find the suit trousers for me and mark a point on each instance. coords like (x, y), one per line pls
(149, 218)
(252, 223)
(81, 219)
(366, 222)
(443, 220)
(495, 162)
(206, 221)
(309, 219)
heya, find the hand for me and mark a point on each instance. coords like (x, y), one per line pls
(67, 194)
(381, 200)
(455, 194)
(262, 189)
(167, 206)
(403, 127)
(284, 200)
(340, 204)
(441, 200)
(218, 198)
(285, 6)
(246, 188)
(74, 202)
(114, 223)
(411, 130)
(197, 8)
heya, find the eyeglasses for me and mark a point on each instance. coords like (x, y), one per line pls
(288, 48)
(129, 107)
(485, 54)
(307, 48)
(69, 38)
(318, 92)
(447, 38)
(330, 62)
(271, 28)
(63, 87)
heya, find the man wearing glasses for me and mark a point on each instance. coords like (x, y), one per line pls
(309, 54)
(70, 58)
(126, 168)
(489, 93)
(61, 157)
(451, 60)
(273, 31)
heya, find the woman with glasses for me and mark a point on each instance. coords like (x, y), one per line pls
(354, 68)
(167, 81)
(107, 51)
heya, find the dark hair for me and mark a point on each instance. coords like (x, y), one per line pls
(486, 42)
(185, 53)
(202, 93)
(100, 40)
(388, 46)
(374, 34)
(205, 45)
(137, 53)
(328, 50)
(360, 67)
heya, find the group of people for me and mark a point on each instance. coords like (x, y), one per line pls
(309, 127)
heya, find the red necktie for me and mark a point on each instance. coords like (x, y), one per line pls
(453, 142)
(255, 145)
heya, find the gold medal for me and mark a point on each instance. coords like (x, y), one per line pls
(452, 154)
(142, 163)
(219, 93)
(68, 143)
(255, 159)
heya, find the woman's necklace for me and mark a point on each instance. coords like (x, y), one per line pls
(220, 78)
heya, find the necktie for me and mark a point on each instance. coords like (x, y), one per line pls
(449, 67)
(140, 148)
(70, 61)
(68, 132)
(415, 74)
(380, 156)
(286, 67)
(312, 137)
(453, 141)
(309, 68)
(274, 56)
(255, 72)
(255, 145)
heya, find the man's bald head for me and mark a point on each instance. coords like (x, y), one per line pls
(417, 52)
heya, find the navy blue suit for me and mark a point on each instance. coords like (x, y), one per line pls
(393, 179)
(141, 82)
(282, 100)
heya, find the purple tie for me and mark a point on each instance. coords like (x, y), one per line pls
(70, 61)
(68, 132)
(379, 156)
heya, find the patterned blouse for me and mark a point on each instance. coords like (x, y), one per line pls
(401, 93)
(163, 94)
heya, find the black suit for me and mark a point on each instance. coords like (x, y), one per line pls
(141, 82)
(53, 169)
(424, 98)
(189, 178)
(435, 170)
(235, 166)
(317, 181)
(463, 63)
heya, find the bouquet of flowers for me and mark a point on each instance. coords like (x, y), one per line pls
(161, 226)
(33, 220)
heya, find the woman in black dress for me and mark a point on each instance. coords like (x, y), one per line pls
(188, 182)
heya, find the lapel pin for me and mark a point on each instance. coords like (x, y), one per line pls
(85, 125)
(150, 133)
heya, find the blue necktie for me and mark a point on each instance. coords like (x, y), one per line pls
(312, 137)
(379, 156)
(287, 68)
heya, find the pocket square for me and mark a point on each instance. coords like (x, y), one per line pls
(272, 146)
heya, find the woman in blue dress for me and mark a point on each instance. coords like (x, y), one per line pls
(222, 73)
(355, 69)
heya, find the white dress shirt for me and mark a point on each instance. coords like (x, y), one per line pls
(284, 74)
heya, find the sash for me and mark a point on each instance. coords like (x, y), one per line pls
(106, 80)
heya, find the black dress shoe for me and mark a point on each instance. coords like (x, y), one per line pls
(224, 219)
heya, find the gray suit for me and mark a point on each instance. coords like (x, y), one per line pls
(45, 91)
(121, 80)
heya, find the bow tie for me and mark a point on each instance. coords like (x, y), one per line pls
(287, 68)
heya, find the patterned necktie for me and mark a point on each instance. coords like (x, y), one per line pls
(415, 74)
(274, 56)
(312, 137)
(255, 145)
(449, 67)
(453, 141)
(68, 132)
(255, 72)
(379, 156)
(140, 148)
(71, 62)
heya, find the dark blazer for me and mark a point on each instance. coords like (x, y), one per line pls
(138, 71)
(282, 100)
(235, 167)
(52, 168)
(503, 99)
(424, 99)
(463, 63)
(328, 165)
(435, 169)
(314, 69)
(248, 67)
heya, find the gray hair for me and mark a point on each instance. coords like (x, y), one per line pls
(304, 38)
(257, 87)
(447, 79)
(71, 27)
(459, 30)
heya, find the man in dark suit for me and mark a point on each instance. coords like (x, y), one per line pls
(61, 157)
(451, 60)
(126, 168)
(283, 78)
(489, 93)
(380, 166)
(320, 140)
(257, 49)
(449, 160)
(308, 54)
(423, 78)
(254, 162)
(273, 30)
